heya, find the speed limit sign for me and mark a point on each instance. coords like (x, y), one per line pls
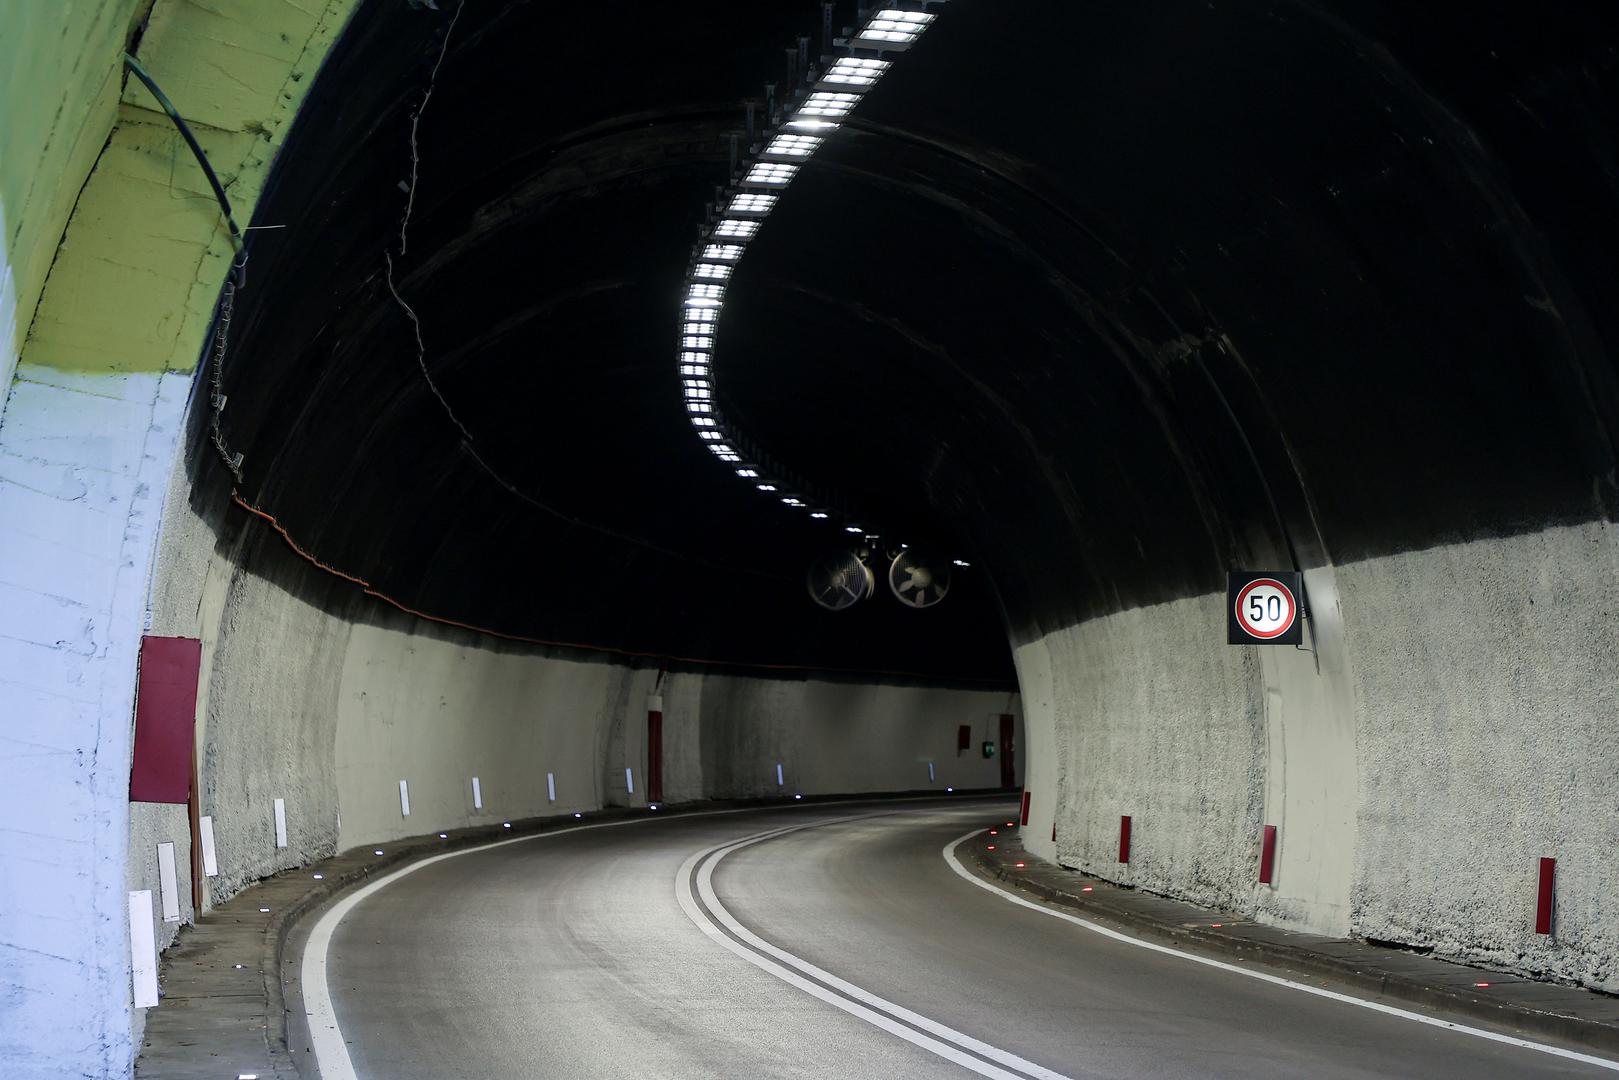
(1264, 607)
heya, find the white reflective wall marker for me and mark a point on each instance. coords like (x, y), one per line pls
(281, 823)
(931, 777)
(142, 949)
(477, 794)
(404, 798)
(210, 863)
(551, 786)
(629, 780)
(167, 882)
(779, 780)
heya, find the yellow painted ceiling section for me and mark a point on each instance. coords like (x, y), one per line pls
(58, 98)
(146, 251)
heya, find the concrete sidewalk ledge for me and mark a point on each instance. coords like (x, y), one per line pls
(1509, 1004)
(223, 1012)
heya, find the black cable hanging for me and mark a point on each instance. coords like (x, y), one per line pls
(236, 278)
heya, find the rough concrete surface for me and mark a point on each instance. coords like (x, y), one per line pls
(1487, 678)
(1459, 727)
(1151, 718)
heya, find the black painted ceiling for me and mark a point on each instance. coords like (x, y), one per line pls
(1106, 297)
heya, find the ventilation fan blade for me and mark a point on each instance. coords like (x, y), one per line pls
(918, 581)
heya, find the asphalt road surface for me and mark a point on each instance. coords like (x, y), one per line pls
(844, 946)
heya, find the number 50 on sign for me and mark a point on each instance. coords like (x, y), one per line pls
(1264, 607)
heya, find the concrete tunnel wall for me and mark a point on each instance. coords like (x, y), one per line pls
(99, 340)
(111, 258)
(1460, 728)
(327, 701)
(1442, 747)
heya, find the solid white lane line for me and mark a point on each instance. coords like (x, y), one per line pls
(938, 1039)
(1275, 980)
(325, 1036)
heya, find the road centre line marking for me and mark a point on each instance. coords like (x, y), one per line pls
(325, 1036)
(914, 1028)
(949, 853)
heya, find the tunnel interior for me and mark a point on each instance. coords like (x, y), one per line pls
(1107, 311)
(1096, 304)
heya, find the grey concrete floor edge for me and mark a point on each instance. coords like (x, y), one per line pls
(1523, 1007)
(181, 1044)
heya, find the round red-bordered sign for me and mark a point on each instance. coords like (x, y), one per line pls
(1273, 612)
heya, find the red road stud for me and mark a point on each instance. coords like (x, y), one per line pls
(1018, 865)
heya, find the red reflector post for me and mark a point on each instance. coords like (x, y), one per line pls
(1267, 856)
(1024, 819)
(1543, 904)
(1124, 838)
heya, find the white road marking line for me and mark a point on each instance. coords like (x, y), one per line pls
(940, 1039)
(1276, 980)
(325, 1036)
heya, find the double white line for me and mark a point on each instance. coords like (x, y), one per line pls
(694, 889)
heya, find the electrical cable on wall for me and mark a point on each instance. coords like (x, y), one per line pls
(468, 442)
(235, 278)
(664, 659)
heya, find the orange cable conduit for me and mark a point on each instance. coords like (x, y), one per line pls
(309, 557)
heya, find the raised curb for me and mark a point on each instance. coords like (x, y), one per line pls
(1563, 1013)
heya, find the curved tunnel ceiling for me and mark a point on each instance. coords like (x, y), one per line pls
(1111, 298)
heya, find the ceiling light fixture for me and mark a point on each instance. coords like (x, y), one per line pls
(857, 71)
(828, 104)
(743, 229)
(750, 202)
(809, 123)
(891, 29)
(792, 146)
(810, 111)
(769, 174)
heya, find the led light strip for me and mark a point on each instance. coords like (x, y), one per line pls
(797, 131)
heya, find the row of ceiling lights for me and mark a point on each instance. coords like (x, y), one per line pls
(747, 200)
